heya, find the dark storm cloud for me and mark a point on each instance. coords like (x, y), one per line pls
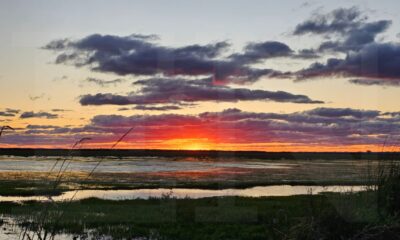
(367, 61)
(357, 39)
(376, 63)
(344, 31)
(38, 115)
(254, 52)
(348, 27)
(138, 56)
(339, 20)
(105, 99)
(258, 52)
(343, 112)
(132, 55)
(176, 90)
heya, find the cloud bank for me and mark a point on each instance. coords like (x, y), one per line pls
(367, 61)
(176, 91)
(317, 127)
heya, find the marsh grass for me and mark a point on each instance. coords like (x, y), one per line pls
(295, 217)
(388, 189)
(372, 214)
(44, 224)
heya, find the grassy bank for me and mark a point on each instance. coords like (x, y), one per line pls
(333, 216)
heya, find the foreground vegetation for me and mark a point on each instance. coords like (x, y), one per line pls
(325, 216)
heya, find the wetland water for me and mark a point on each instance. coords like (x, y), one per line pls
(178, 177)
(176, 173)
(136, 164)
(267, 191)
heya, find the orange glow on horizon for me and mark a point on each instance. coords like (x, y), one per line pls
(192, 144)
(200, 137)
(203, 144)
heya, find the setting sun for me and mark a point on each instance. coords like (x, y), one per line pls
(191, 144)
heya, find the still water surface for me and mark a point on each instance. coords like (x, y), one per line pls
(262, 191)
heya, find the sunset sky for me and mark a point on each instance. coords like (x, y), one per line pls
(230, 75)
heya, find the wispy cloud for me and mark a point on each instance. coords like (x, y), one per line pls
(351, 28)
(105, 83)
(31, 114)
(37, 97)
(157, 108)
(9, 112)
(60, 110)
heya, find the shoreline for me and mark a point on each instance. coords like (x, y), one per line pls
(34, 188)
(118, 153)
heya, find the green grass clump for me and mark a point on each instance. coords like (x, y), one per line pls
(388, 189)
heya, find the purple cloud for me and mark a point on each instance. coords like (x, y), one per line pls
(176, 90)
